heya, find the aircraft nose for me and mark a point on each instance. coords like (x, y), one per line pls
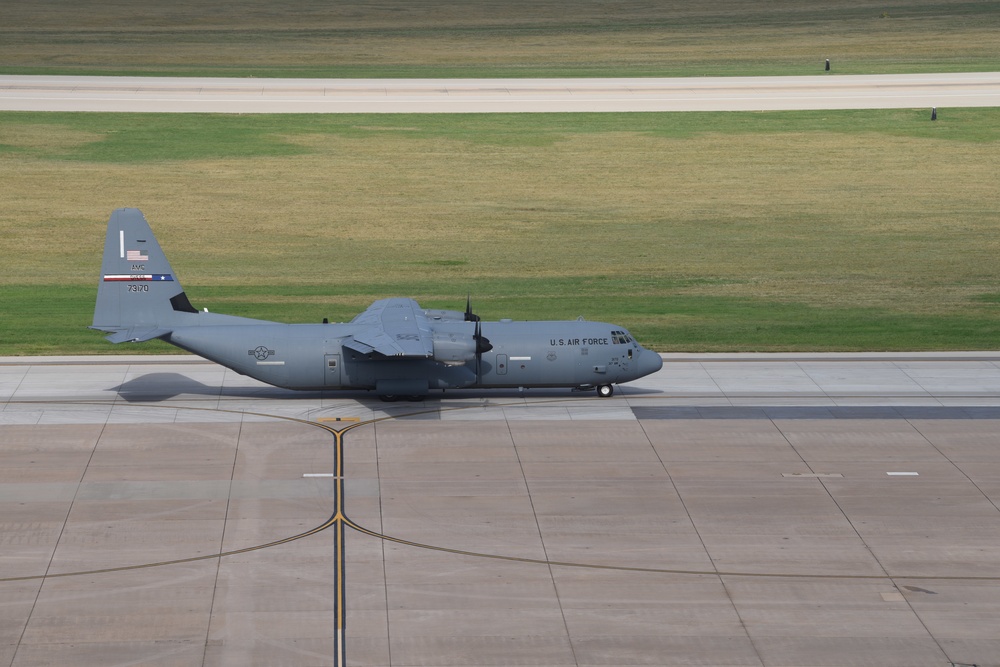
(649, 362)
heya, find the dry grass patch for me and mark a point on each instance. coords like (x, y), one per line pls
(47, 139)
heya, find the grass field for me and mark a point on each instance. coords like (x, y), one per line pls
(509, 38)
(731, 231)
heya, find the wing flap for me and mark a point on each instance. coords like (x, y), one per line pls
(374, 340)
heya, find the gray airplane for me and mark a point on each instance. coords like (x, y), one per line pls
(395, 347)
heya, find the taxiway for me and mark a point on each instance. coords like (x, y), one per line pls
(731, 509)
(235, 95)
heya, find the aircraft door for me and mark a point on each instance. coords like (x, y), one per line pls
(501, 364)
(331, 370)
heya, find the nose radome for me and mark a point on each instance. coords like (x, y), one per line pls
(649, 362)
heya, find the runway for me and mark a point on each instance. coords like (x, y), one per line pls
(222, 95)
(731, 509)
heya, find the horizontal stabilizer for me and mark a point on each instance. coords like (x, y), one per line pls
(136, 335)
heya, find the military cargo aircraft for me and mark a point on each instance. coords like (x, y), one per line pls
(394, 348)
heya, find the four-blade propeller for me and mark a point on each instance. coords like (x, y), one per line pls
(483, 343)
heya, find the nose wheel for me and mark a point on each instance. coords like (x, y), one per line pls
(605, 390)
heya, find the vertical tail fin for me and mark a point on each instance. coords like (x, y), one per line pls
(138, 296)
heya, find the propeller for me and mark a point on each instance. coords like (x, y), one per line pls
(469, 315)
(483, 343)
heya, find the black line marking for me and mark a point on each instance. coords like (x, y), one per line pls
(656, 570)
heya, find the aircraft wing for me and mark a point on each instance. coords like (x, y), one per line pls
(393, 328)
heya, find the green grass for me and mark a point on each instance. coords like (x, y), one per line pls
(516, 38)
(731, 231)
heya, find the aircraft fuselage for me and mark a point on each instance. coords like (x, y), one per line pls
(523, 354)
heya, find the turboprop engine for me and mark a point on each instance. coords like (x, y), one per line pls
(454, 349)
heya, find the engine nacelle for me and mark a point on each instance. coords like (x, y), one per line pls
(454, 349)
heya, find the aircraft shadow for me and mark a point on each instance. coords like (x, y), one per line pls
(157, 387)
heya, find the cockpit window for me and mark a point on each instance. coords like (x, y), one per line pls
(620, 338)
